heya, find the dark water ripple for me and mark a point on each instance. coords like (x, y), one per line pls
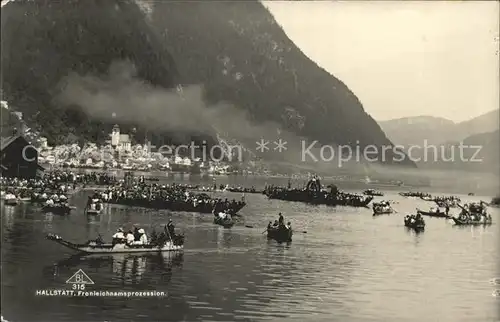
(343, 265)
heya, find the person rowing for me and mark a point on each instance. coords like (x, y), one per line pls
(137, 235)
(170, 228)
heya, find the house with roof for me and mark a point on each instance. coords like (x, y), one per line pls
(19, 158)
(120, 142)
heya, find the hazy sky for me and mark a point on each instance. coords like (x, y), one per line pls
(403, 58)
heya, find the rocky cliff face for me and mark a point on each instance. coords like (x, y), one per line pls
(235, 50)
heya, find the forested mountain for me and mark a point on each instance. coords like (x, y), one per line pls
(63, 67)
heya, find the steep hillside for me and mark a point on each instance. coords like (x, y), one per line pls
(476, 153)
(414, 130)
(240, 53)
(235, 50)
(485, 123)
(43, 41)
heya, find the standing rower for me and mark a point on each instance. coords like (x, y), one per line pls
(171, 228)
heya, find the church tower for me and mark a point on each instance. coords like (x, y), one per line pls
(115, 136)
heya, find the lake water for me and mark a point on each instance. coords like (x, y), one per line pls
(343, 265)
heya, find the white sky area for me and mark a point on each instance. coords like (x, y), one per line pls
(403, 58)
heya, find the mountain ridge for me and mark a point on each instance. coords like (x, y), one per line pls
(236, 51)
(437, 130)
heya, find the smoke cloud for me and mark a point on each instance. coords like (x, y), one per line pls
(122, 97)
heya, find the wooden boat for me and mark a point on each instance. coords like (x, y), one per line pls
(427, 198)
(281, 235)
(414, 225)
(495, 202)
(471, 222)
(11, 202)
(433, 214)
(371, 192)
(224, 222)
(204, 208)
(377, 211)
(450, 203)
(94, 209)
(350, 202)
(57, 209)
(93, 247)
(319, 197)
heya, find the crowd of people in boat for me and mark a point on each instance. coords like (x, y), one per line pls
(241, 189)
(73, 178)
(279, 224)
(221, 187)
(57, 180)
(383, 206)
(447, 201)
(414, 220)
(373, 192)
(417, 194)
(132, 237)
(137, 236)
(174, 197)
(49, 190)
(24, 188)
(314, 193)
(474, 212)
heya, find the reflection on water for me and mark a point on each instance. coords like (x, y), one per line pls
(348, 267)
(7, 215)
(126, 268)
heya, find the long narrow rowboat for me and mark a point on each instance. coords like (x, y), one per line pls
(433, 214)
(92, 247)
(471, 222)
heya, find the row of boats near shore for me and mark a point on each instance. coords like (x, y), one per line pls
(52, 191)
(471, 214)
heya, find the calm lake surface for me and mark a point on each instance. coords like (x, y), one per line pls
(349, 266)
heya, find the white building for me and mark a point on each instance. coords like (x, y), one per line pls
(43, 143)
(121, 142)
